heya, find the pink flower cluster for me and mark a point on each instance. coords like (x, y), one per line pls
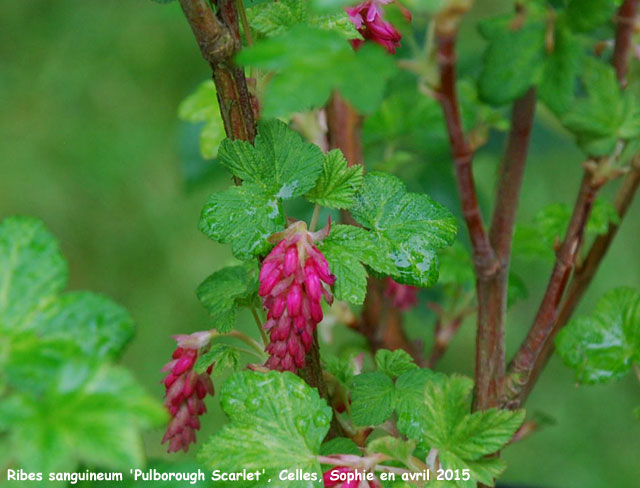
(185, 390)
(368, 18)
(292, 284)
(335, 476)
(402, 296)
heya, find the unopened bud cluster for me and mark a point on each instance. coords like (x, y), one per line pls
(293, 279)
(185, 391)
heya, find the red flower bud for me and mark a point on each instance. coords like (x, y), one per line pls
(293, 298)
(368, 18)
(185, 390)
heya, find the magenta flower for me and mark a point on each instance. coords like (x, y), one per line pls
(402, 296)
(293, 279)
(368, 18)
(343, 470)
(185, 390)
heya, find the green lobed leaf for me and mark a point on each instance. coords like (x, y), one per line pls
(407, 228)
(91, 414)
(340, 445)
(410, 390)
(512, 61)
(342, 369)
(561, 68)
(220, 356)
(394, 363)
(226, 290)
(202, 106)
(311, 63)
(337, 183)
(277, 422)
(372, 398)
(273, 18)
(602, 346)
(434, 410)
(605, 114)
(244, 216)
(345, 248)
(32, 269)
(100, 327)
(279, 161)
(586, 15)
(393, 447)
(550, 225)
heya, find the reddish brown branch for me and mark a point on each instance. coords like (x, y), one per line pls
(521, 367)
(586, 270)
(511, 174)
(489, 369)
(462, 154)
(624, 38)
(344, 125)
(219, 39)
(534, 353)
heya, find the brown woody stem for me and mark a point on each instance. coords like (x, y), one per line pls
(624, 38)
(219, 39)
(490, 362)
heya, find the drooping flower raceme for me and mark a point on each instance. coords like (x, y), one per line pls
(185, 391)
(402, 296)
(293, 279)
(344, 477)
(368, 18)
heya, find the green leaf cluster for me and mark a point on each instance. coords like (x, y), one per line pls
(606, 114)
(531, 49)
(310, 63)
(602, 346)
(62, 401)
(277, 422)
(549, 226)
(400, 235)
(434, 412)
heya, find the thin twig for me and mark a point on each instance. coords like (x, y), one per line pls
(256, 317)
(520, 368)
(245, 23)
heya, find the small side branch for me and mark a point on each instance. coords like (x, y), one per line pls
(521, 367)
(511, 174)
(462, 153)
(586, 270)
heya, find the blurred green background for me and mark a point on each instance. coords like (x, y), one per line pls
(90, 143)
